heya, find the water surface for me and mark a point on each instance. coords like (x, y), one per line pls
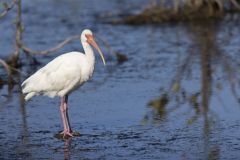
(177, 96)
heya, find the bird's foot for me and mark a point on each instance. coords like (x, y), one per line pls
(66, 134)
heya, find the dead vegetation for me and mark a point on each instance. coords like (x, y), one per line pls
(181, 10)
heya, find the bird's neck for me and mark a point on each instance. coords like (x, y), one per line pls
(89, 53)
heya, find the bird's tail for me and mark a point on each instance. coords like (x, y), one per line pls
(29, 95)
(25, 90)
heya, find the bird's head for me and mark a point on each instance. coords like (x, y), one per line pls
(87, 36)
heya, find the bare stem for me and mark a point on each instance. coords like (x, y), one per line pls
(9, 68)
(6, 66)
(18, 33)
(8, 8)
(51, 50)
(162, 4)
(235, 4)
(176, 6)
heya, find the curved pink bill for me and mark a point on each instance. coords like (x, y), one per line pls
(92, 42)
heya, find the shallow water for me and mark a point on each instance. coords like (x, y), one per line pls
(177, 96)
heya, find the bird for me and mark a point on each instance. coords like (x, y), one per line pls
(63, 75)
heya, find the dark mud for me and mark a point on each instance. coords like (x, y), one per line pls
(176, 96)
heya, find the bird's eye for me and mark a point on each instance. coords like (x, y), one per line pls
(87, 35)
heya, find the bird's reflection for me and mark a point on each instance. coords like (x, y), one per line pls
(67, 148)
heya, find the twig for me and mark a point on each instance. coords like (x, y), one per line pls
(6, 66)
(51, 50)
(235, 3)
(8, 8)
(176, 6)
(19, 30)
(9, 68)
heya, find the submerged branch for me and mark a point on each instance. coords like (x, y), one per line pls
(9, 68)
(6, 66)
(7, 8)
(57, 47)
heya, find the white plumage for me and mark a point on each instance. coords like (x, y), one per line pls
(63, 75)
(59, 77)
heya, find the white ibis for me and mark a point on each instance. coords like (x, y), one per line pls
(63, 75)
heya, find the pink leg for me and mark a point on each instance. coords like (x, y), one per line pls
(64, 113)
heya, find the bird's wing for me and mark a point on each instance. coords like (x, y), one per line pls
(57, 76)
